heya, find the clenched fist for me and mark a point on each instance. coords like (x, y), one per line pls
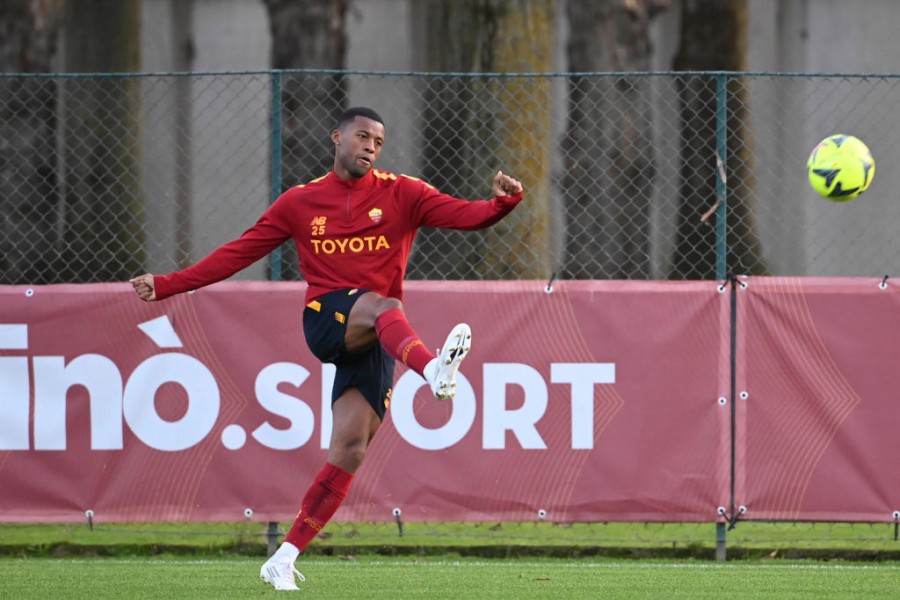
(144, 287)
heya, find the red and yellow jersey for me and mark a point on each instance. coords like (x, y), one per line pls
(349, 234)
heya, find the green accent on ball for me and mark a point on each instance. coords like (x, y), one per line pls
(840, 167)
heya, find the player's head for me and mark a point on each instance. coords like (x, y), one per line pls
(358, 138)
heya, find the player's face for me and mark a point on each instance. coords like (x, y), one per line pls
(357, 146)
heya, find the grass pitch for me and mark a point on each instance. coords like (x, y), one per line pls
(408, 577)
(447, 560)
(750, 540)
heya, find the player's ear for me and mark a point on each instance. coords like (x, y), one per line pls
(336, 137)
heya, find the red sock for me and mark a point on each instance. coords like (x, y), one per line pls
(319, 504)
(400, 341)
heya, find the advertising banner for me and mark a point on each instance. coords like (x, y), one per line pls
(817, 413)
(592, 401)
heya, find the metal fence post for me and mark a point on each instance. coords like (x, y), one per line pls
(721, 545)
(721, 161)
(272, 538)
(275, 163)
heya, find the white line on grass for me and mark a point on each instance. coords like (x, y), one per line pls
(508, 563)
(636, 564)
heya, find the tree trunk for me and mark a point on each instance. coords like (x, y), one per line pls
(714, 38)
(28, 181)
(103, 236)
(608, 152)
(475, 126)
(307, 34)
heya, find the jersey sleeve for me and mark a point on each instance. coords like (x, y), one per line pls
(268, 233)
(434, 209)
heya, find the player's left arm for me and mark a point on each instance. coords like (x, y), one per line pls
(145, 286)
(504, 185)
(435, 209)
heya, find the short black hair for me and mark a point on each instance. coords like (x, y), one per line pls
(357, 111)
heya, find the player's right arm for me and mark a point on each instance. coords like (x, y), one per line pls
(267, 234)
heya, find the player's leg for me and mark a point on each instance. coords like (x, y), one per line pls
(376, 318)
(361, 393)
(354, 425)
(363, 324)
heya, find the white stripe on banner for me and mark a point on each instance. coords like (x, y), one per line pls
(13, 337)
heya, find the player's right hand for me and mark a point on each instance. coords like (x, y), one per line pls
(144, 287)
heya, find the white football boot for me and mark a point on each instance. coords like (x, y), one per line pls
(441, 371)
(280, 574)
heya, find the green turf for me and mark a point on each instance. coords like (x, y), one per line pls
(406, 577)
(754, 540)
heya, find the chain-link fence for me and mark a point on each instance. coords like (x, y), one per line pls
(105, 176)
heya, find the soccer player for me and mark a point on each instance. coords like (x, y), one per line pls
(354, 229)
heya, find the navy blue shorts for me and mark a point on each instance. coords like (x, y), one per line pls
(370, 371)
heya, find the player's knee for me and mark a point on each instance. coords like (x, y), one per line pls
(355, 456)
(349, 454)
(386, 304)
(372, 305)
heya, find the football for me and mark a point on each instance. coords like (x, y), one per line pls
(840, 167)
